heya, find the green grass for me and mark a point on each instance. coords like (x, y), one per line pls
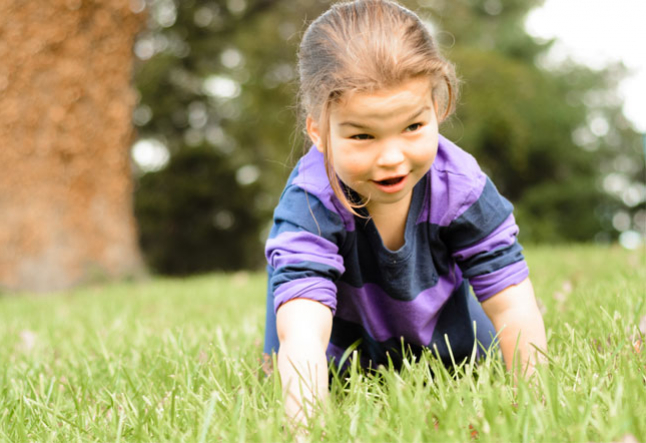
(178, 360)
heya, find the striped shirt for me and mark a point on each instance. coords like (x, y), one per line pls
(459, 227)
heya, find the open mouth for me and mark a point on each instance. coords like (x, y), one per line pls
(390, 181)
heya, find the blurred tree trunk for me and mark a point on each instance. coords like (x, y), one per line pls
(66, 101)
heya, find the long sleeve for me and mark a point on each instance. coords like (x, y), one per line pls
(303, 247)
(483, 242)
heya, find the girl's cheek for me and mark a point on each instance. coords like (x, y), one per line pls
(353, 159)
(353, 167)
(426, 157)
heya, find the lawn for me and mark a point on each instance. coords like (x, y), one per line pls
(178, 360)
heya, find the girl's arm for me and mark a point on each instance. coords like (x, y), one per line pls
(304, 328)
(515, 315)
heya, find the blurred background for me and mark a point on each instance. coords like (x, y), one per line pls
(209, 132)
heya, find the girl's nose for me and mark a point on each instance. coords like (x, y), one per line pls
(391, 155)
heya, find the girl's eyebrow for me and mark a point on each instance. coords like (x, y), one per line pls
(412, 117)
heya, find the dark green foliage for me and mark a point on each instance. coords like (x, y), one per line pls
(519, 120)
(256, 127)
(195, 217)
(528, 152)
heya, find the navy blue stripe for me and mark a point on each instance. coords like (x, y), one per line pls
(480, 220)
(455, 323)
(364, 266)
(271, 334)
(430, 259)
(299, 210)
(490, 261)
(305, 269)
(485, 331)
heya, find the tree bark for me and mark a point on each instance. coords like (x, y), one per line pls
(66, 100)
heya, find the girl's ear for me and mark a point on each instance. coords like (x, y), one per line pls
(313, 131)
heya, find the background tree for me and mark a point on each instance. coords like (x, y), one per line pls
(210, 223)
(220, 76)
(546, 136)
(65, 178)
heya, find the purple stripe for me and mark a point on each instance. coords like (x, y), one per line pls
(452, 196)
(384, 317)
(470, 198)
(318, 289)
(488, 285)
(295, 247)
(456, 183)
(312, 178)
(502, 237)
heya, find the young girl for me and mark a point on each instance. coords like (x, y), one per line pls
(384, 224)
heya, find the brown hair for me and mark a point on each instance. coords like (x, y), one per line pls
(366, 45)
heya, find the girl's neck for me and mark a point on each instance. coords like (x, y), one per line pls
(390, 220)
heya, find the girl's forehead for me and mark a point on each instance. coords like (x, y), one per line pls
(387, 102)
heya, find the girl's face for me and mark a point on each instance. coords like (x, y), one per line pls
(382, 143)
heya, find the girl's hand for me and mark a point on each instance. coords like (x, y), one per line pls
(304, 328)
(518, 321)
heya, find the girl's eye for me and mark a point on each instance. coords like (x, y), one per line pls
(414, 127)
(361, 137)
